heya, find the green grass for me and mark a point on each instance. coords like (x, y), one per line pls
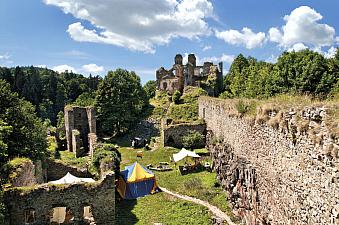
(161, 208)
(69, 158)
(201, 185)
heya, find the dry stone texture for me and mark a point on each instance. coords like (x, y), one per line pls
(282, 174)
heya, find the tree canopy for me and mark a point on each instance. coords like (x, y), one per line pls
(303, 72)
(22, 133)
(120, 101)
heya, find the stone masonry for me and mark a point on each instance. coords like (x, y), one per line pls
(191, 74)
(173, 134)
(275, 173)
(40, 201)
(80, 124)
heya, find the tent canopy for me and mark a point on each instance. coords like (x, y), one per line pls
(183, 154)
(136, 172)
(70, 179)
(136, 181)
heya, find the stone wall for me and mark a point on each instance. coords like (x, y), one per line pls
(173, 134)
(79, 123)
(27, 174)
(100, 196)
(278, 168)
(57, 170)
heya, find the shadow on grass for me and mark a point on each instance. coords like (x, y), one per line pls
(124, 214)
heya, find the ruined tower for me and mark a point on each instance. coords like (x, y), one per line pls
(80, 125)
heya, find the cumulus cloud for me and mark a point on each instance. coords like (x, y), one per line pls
(4, 57)
(207, 47)
(297, 47)
(63, 68)
(137, 25)
(246, 37)
(92, 68)
(223, 58)
(303, 27)
(330, 53)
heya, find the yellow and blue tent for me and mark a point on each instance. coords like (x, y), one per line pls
(136, 181)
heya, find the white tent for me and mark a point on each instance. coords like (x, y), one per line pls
(70, 179)
(183, 154)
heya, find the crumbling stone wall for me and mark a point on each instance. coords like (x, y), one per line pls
(27, 174)
(180, 76)
(57, 170)
(275, 173)
(80, 125)
(173, 134)
(42, 199)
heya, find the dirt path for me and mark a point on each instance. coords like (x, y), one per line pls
(216, 211)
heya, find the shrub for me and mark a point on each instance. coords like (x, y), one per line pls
(105, 153)
(241, 107)
(193, 139)
(176, 97)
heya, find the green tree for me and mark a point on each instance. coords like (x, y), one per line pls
(150, 87)
(85, 99)
(28, 136)
(176, 97)
(193, 139)
(120, 101)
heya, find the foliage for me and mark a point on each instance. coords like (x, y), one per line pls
(184, 112)
(303, 72)
(106, 152)
(150, 88)
(120, 101)
(19, 115)
(47, 90)
(193, 139)
(241, 107)
(85, 99)
(2, 207)
(176, 97)
(191, 94)
(61, 125)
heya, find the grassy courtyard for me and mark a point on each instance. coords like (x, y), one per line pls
(201, 185)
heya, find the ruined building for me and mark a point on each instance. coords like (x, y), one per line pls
(80, 124)
(209, 76)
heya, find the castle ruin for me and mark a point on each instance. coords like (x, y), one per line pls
(208, 76)
(80, 125)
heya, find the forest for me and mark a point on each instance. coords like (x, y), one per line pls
(303, 73)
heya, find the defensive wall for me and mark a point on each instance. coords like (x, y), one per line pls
(279, 166)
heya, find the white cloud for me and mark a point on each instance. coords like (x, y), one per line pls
(4, 57)
(92, 68)
(41, 66)
(330, 53)
(272, 59)
(137, 25)
(302, 27)
(223, 58)
(63, 68)
(246, 37)
(297, 47)
(207, 47)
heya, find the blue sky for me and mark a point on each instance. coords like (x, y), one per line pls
(142, 35)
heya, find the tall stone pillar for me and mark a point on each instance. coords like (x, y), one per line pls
(69, 126)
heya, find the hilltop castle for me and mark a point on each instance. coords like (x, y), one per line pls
(209, 76)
